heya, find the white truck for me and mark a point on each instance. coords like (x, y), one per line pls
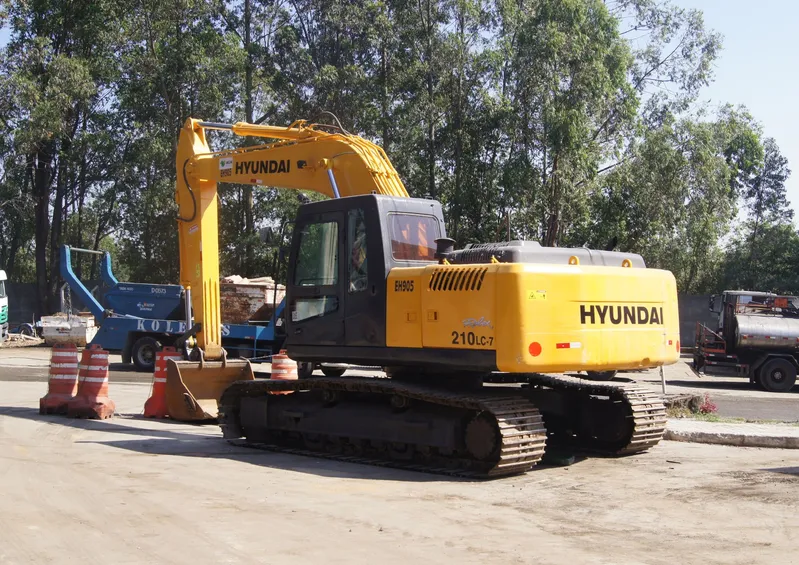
(3, 308)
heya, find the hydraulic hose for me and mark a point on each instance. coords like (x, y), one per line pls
(191, 193)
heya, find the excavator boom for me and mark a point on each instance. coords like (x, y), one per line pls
(299, 157)
(304, 158)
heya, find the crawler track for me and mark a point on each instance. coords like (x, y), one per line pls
(500, 430)
(497, 432)
(643, 412)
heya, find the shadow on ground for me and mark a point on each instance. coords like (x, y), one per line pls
(784, 470)
(126, 368)
(113, 425)
(192, 442)
(709, 384)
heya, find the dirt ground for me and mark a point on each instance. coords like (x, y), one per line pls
(131, 490)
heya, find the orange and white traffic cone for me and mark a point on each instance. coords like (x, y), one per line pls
(155, 407)
(283, 369)
(92, 400)
(63, 380)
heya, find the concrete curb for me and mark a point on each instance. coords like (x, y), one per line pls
(736, 439)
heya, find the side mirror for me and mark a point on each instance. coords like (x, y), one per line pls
(715, 304)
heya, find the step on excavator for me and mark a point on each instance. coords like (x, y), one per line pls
(473, 341)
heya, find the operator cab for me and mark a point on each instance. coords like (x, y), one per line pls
(341, 253)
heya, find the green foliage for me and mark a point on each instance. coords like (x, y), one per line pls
(764, 252)
(671, 198)
(771, 265)
(566, 121)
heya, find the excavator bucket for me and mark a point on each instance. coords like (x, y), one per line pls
(193, 389)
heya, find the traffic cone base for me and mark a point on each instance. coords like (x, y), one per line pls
(283, 369)
(63, 380)
(54, 404)
(92, 399)
(95, 409)
(155, 406)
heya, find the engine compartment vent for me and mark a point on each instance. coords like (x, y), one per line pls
(454, 279)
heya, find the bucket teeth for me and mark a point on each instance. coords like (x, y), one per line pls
(193, 389)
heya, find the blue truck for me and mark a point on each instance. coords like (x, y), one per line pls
(137, 319)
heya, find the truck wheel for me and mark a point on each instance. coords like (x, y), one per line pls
(778, 375)
(305, 370)
(601, 375)
(333, 372)
(143, 354)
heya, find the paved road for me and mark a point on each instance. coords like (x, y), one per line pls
(735, 398)
(130, 490)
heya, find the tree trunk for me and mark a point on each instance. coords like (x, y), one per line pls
(40, 167)
(249, 224)
(458, 125)
(431, 128)
(80, 202)
(57, 227)
(384, 122)
(553, 221)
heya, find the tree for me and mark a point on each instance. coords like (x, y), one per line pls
(765, 195)
(762, 255)
(566, 121)
(774, 267)
(672, 198)
(57, 72)
(174, 64)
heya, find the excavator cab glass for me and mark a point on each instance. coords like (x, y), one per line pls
(317, 260)
(342, 253)
(356, 235)
(413, 237)
(316, 266)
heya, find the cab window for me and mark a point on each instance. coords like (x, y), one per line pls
(317, 265)
(317, 259)
(413, 237)
(356, 235)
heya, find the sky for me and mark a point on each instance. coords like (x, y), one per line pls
(757, 67)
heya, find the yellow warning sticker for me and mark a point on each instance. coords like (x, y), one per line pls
(537, 295)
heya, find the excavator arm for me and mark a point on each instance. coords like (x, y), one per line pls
(300, 157)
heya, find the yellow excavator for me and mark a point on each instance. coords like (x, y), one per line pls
(469, 338)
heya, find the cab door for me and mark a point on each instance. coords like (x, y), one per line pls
(316, 280)
(365, 296)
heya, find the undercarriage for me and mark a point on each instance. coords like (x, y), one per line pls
(486, 431)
